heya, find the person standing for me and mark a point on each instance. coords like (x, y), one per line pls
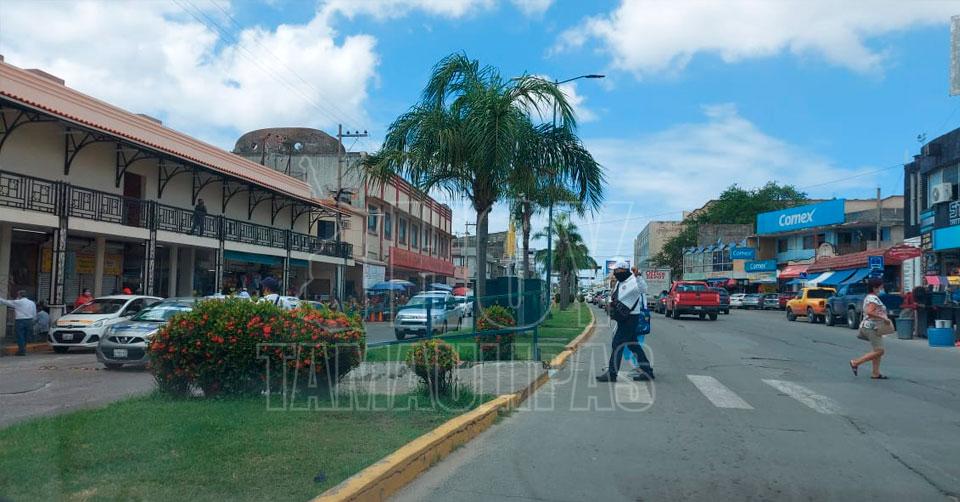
(199, 217)
(626, 304)
(84, 298)
(270, 287)
(25, 311)
(921, 297)
(873, 326)
(42, 322)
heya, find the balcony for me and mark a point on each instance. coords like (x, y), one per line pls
(55, 197)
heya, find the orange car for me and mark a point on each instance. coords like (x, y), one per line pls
(811, 302)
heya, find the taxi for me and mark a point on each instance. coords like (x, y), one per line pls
(85, 325)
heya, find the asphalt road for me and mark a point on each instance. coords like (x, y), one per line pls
(46, 384)
(748, 407)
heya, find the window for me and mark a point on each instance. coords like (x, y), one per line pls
(783, 245)
(372, 219)
(934, 179)
(427, 239)
(387, 226)
(326, 229)
(402, 231)
(415, 236)
(809, 242)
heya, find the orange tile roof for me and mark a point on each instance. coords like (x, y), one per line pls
(43, 94)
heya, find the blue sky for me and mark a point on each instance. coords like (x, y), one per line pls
(698, 95)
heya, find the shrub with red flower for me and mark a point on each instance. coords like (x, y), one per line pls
(226, 347)
(434, 361)
(493, 345)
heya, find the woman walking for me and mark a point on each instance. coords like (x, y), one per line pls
(874, 326)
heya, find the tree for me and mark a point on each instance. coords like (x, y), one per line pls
(735, 205)
(552, 167)
(464, 135)
(570, 254)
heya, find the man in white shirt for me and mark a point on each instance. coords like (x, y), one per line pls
(25, 311)
(628, 292)
(270, 285)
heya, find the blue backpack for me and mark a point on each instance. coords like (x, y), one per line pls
(643, 323)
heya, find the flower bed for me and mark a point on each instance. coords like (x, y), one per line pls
(495, 346)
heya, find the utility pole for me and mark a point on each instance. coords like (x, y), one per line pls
(879, 216)
(341, 268)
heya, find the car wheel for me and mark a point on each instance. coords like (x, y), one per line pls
(702, 316)
(113, 366)
(829, 318)
(811, 317)
(60, 350)
(713, 317)
(400, 335)
(791, 316)
(853, 321)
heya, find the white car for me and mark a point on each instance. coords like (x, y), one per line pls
(736, 300)
(85, 325)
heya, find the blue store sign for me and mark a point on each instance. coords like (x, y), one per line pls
(740, 253)
(795, 218)
(760, 266)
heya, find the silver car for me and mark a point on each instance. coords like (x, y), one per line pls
(412, 317)
(126, 342)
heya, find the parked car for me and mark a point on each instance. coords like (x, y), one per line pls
(846, 305)
(811, 302)
(724, 300)
(784, 298)
(691, 297)
(412, 317)
(126, 341)
(751, 301)
(770, 301)
(736, 300)
(85, 325)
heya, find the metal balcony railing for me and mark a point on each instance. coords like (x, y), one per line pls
(26, 192)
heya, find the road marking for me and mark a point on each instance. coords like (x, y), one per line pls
(814, 401)
(717, 393)
(632, 392)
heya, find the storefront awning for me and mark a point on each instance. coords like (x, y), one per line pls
(262, 259)
(817, 279)
(837, 278)
(793, 271)
(794, 281)
(857, 276)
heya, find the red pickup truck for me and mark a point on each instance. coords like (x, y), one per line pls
(689, 297)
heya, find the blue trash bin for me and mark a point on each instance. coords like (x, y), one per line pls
(904, 329)
(940, 337)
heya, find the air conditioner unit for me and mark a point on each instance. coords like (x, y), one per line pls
(941, 192)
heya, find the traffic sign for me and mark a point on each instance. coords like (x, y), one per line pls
(876, 273)
(875, 262)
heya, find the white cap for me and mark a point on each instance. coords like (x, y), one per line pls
(621, 263)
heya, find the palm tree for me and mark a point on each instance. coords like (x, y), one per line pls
(570, 254)
(463, 137)
(553, 168)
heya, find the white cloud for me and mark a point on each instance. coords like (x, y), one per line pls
(578, 102)
(651, 36)
(532, 7)
(660, 175)
(389, 9)
(154, 58)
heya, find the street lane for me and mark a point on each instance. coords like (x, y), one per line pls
(809, 430)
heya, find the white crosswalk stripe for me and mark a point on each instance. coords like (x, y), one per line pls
(816, 402)
(632, 392)
(717, 393)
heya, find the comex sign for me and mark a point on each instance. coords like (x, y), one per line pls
(795, 218)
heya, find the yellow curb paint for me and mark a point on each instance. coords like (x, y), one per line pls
(393, 472)
(31, 347)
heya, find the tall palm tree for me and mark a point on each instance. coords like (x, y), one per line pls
(553, 167)
(570, 254)
(463, 136)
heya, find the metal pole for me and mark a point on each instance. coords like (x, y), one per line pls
(879, 217)
(340, 266)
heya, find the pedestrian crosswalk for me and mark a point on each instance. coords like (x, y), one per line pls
(722, 396)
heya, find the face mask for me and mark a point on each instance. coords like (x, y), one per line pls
(621, 276)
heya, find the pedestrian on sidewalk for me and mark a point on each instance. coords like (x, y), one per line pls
(874, 326)
(25, 311)
(921, 297)
(626, 304)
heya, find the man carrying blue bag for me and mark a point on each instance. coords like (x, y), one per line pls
(628, 306)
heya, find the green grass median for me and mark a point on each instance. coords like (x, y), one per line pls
(158, 448)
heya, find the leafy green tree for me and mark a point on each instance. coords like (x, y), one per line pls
(570, 254)
(734, 205)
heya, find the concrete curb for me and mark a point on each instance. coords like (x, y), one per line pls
(393, 472)
(11, 349)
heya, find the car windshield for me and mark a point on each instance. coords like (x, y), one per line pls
(819, 293)
(162, 312)
(421, 301)
(691, 288)
(101, 306)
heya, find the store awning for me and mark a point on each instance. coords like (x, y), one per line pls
(262, 259)
(837, 278)
(858, 275)
(942, 280)
(816, 280)
(793, 271)
(794, 281)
